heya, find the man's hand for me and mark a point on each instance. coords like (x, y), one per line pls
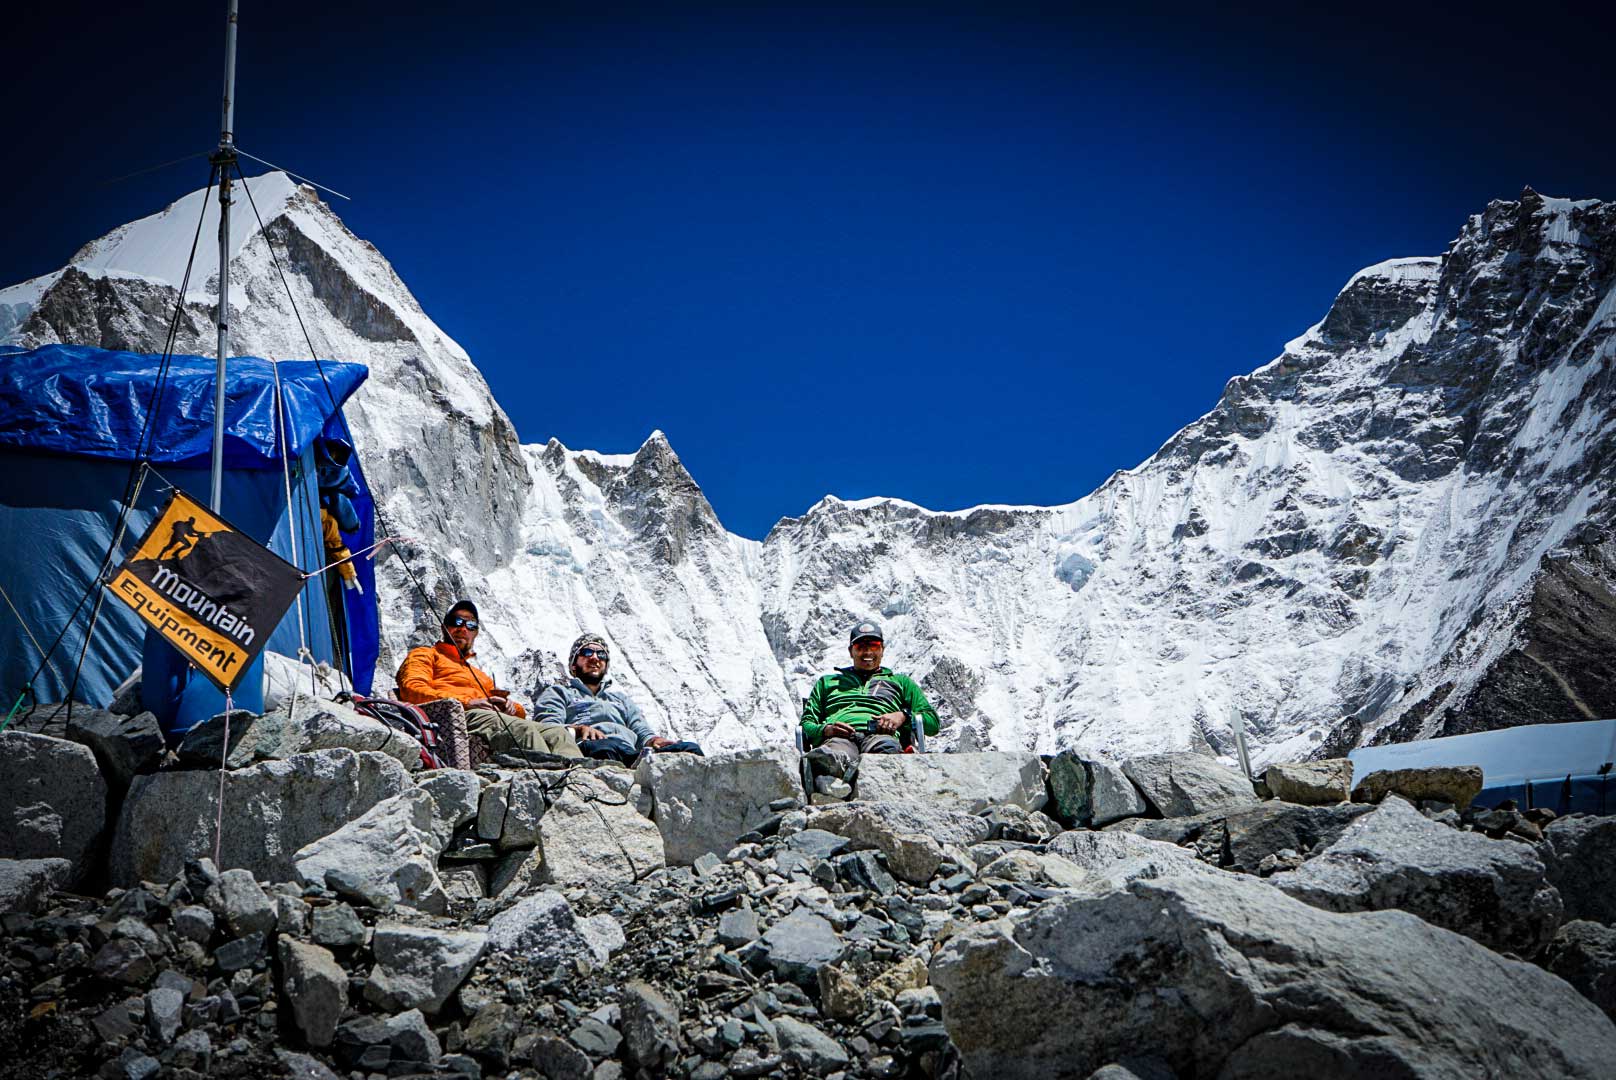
(839, 731)
(657, 742)
(478, 703)
(887, 723)
(584, 732)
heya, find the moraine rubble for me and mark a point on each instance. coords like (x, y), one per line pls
(961, 917)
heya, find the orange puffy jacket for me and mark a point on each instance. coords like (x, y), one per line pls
(434, 672)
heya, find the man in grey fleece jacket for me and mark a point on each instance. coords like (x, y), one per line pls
(606, 723)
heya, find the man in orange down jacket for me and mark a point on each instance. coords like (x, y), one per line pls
(444, 670)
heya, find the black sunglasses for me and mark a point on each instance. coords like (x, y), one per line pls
(460, 620)
(594, 652)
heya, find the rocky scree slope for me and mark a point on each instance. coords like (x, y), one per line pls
(967, 915)
(1398, 528)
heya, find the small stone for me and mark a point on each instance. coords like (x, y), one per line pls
(809, 1048)
(194, 924)
(118, 1022)
(137, 1066)
(558, 1059)
(738, 927)
(596, 1037)
(650, 1028)
(123, 961)
(337, 927)
(706, 864)
(164, 1010)
(242, 904)
(818, 842)
(492, 1032)
(192, 1050)
(864, 870)
(234, 955)
(302, 1067)
(291, 916)
(747, 1062)
(315, 987)
(411, 1039)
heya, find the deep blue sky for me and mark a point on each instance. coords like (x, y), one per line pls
(951, 253)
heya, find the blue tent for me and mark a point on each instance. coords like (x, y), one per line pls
(73, 420)
(1564, 767)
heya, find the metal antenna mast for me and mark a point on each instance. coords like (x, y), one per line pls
(224, 159)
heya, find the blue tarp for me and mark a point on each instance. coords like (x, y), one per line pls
(72, 417)
(1553, 765)
(73, 399)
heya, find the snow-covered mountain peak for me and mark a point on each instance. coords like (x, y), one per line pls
(156, 248)
(1372, 536)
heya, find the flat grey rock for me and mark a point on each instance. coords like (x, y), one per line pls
(592, 835)
(418, 968)
(1184, 784)
(970, 782)
(1490, 890)
(704, 803)
(388, 854)
(1580, 857)
(25, 884)
(271, 811)
(1221, 975)
(299, 727)
(1120, 858)
(1112, 796)
(53, 804)
(799, 945)
(543, 928)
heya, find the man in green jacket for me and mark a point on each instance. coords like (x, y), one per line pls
(860, 709)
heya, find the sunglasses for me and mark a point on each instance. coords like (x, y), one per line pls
(592, 653)
(460, 620)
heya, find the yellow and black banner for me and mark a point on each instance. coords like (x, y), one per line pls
(212, 591)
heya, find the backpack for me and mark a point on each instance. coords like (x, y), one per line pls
(409, 719)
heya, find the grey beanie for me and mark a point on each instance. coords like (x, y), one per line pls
(584, 640)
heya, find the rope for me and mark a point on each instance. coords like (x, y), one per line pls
(224, 752)
(137, 467)
(291, 509)
(20, 620)
(314, 353)
(355, 555)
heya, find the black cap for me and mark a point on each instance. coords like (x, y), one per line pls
(459, 605)
(866, 629)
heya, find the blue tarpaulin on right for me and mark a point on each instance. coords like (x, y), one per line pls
(1564, 767)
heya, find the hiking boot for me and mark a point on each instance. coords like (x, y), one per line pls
(833, 786)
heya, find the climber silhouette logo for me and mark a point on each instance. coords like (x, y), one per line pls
(182, 538)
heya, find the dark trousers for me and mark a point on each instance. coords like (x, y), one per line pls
(622, 750)
(848, 751)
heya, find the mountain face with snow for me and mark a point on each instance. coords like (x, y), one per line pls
(1400, 527)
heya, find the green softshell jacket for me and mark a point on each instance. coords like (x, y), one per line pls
(841, 697)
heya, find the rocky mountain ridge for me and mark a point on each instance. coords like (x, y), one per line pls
(1398, 528)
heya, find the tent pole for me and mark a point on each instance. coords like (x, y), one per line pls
(225, 159)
